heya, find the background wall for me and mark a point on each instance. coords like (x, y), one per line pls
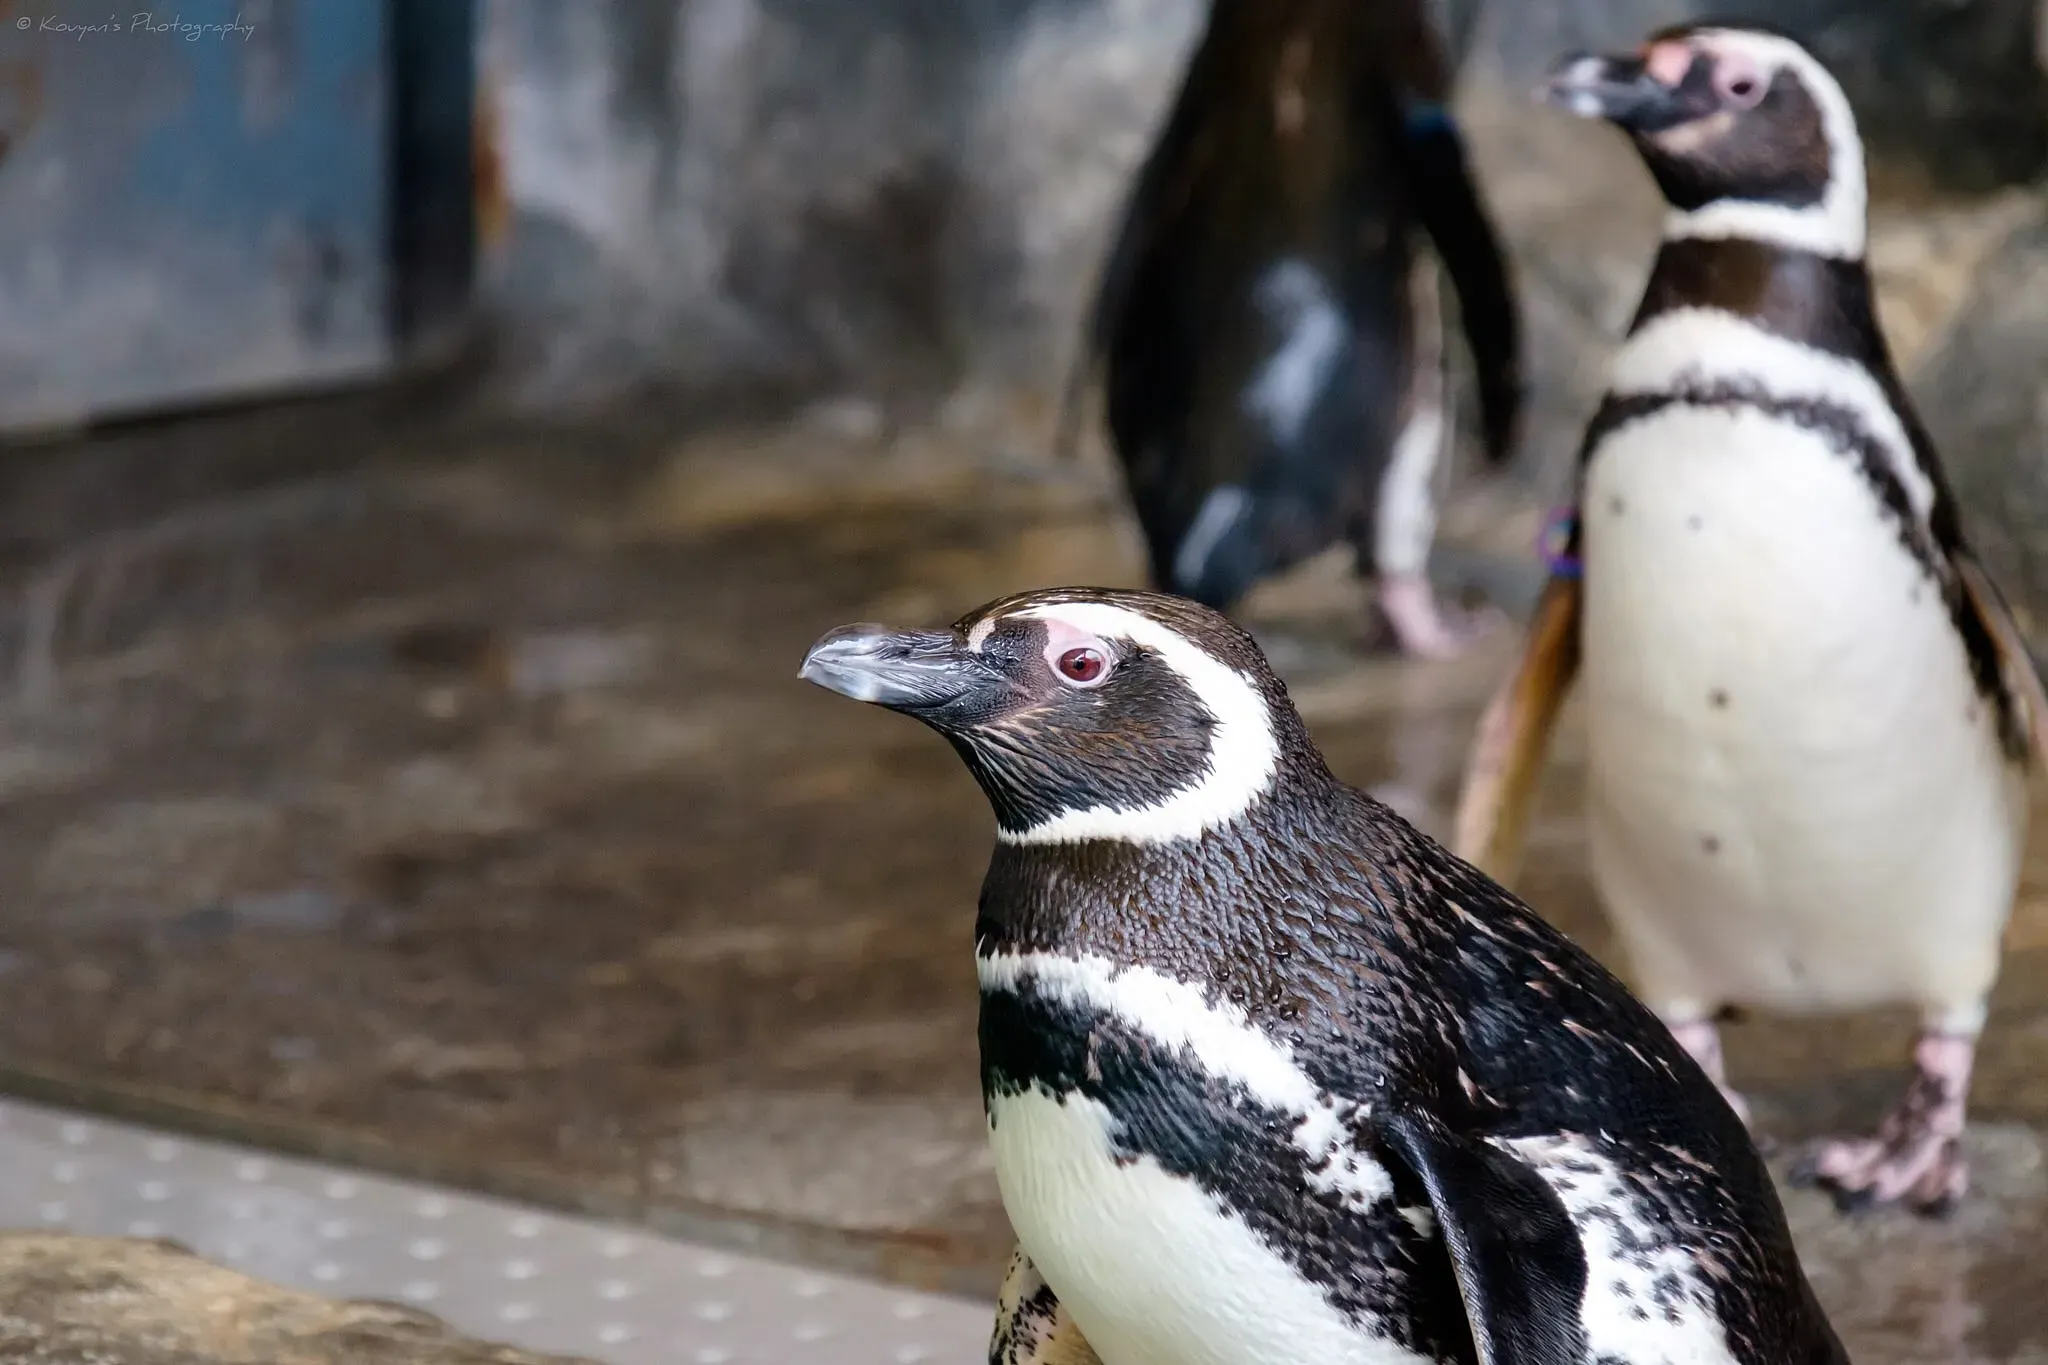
(904, 201)
(891, 193)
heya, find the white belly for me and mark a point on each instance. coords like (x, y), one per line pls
(1153, 1270)
(1796, 795)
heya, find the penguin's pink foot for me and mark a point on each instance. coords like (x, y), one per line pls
(1702, 1040)
(1422, 628)
(1916, 1159)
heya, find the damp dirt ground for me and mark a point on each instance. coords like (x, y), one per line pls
(444, 799)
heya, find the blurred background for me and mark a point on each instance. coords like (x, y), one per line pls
(434, 431)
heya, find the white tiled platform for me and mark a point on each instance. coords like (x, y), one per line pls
(494, 1269)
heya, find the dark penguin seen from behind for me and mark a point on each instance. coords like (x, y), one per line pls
(1270, 1077)
(1274, 369)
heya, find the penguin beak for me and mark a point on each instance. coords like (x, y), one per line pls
(1620, 90)
(919, 672)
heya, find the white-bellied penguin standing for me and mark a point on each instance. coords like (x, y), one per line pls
(1809, 712)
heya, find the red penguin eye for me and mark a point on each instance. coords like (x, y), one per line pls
(1082, 665)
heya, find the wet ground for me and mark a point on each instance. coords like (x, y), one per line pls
(447, 801)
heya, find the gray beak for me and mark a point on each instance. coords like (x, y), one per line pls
(1617, 89)
(915, 671)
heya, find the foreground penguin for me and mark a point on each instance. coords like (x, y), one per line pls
(1271, 1078)
(1274, 370)
(1808, 710)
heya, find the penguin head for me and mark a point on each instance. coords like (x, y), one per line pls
(1088, 713)
(1746, 132)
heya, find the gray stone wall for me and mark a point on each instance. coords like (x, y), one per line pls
(810, 194)
(1985, 392)
(903, 201)
(897, 195)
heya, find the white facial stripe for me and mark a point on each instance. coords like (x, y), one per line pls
(1708, 344)
(978, 637)
(1244, 753)
(1221, 1040)
(1834, 227)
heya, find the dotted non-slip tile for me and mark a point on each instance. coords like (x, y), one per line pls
(494, 1269)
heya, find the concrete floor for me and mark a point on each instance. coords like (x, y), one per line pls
(278, 1260)
(446, 802)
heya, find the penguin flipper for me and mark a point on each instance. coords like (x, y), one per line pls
(2016, 662)
(1519, 1263)
(1448, 205)
(1507, 753)
(1032, 1326)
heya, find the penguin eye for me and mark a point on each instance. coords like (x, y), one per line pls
(1082, 665)
(1741, 85)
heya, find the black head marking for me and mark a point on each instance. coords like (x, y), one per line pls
(1768, 142)
(1728, 116)
(1074, 707)
(1135, 736)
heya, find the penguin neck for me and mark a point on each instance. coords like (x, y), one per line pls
(1254, 892)
(1819, 300)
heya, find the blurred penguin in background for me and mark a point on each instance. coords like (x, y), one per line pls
(1274, 368)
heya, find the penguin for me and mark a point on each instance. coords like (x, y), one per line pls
(1271, 1077)
(1274, 371)
(1809, 713)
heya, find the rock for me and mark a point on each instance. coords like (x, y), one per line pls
(120, 1301)
(777, 192)
(1072, 102)
(1983, 400)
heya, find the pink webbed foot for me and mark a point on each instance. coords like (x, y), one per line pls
(1916, 1158)
(1421, 626)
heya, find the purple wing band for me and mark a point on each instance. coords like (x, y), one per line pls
(1554, 542)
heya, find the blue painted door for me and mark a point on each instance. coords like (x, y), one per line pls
(193, 202)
